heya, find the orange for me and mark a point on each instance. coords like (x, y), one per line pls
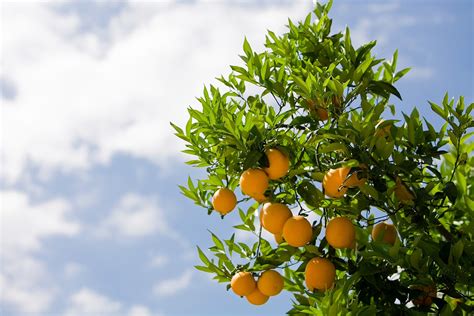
(274, 216)
(340, 233)
(320, 274)
(278, 238)
(427, 295)
(260, 198)
(254, 182)
(402, 193)
(320, 111)
(243, 283)
(278, 164)
(333, 183)
(356, 178)
(336, 182)
(270, 283)
(297, 231)
(224, 201)
(388, 231)
(257, 298)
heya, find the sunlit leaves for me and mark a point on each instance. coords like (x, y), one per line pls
(271, 100)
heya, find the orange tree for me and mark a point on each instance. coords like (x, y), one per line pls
(298, 129)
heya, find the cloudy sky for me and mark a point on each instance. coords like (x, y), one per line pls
(92, 222)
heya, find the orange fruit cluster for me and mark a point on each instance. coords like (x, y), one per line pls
(253, 182)
(296, 231)
(270, 283)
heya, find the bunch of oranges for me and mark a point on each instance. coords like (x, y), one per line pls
(295, 230)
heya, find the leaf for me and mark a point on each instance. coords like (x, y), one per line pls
(247, 48)
(310, 194)
(217, 242)
(451, 191)
(203, 257)
(252, 158)
(359, 72)
(383, 88)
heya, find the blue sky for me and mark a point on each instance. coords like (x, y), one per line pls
(92, 222)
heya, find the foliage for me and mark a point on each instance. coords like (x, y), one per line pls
(268, 102)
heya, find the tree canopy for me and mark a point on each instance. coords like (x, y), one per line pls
(325, 104)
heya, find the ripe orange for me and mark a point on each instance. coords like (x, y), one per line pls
(278, 238)
(224, 201)
(356, 179)
(270, 283)
(297, 231)
(402, 193)
(336, 181)
(243, 283)
(340, 233)
(260, 198)
(333, 183)
(254, 182)
(257, 298)
(274, 216)
(388, 231)
(320, 274)
(279, 164)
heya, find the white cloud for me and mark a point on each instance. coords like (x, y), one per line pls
(24, 282)
(135, 216)
(72, 270)
(172, 286)
(383, 7)
(421, 73)
(159, 261)
(24, 224)
(139, 310)
(24, 285)
(83, 97)
(90, 303)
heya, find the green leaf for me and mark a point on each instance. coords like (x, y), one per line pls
(310, 194)
(451, 191)
(383, 88)
(252, 158)
(359, 72)
(203, 257)
(247, 48)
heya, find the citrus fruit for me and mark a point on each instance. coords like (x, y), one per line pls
(428, 292)
(333, 183)
(243, 283)
(319, 111)
(340, 233)
(320, 274)
(356, 179)
(270, 283)
(257, 298)
(387, 230)
(224, 201)
(278, 238)
(274, 216)
(254, 182)
(402, 193)
(260, 198)
(297, 231)
(278, 164)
